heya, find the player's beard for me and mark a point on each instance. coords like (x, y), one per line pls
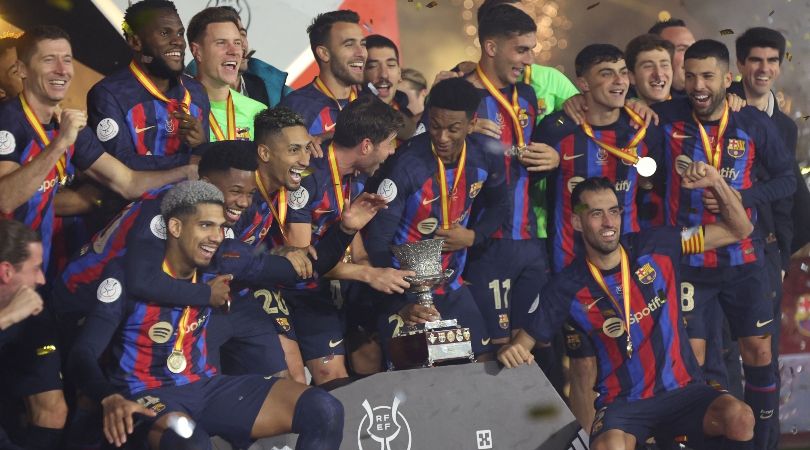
(157, 66)
(600, 246)
(341, 72)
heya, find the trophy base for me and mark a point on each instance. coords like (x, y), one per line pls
(429, 344)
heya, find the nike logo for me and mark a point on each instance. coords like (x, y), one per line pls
(328, 128)
(485, 341)
(570, 157)
(588, 308)
(429, 201)
(334, 344)
(323, 211)
(141, 130)
(676, 135)
(762, 324)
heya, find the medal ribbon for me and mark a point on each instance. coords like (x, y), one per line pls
(445, 196)
(527, 74)
(339, 190)
(627, 154)
(714, 156)
(512, 109)
(181, 327)
(61, 164)
(230, 113)
(152, 89)
(625, 273)
(281, 214)
(321, 86)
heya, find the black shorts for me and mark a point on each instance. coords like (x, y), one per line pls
(30, 360)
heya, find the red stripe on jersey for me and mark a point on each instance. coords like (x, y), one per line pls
(645, 350)
(143, 360)
(139, 122)
(674, 188)
(679, 370)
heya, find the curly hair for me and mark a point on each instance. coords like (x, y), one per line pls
(272, 120)
(183, 198)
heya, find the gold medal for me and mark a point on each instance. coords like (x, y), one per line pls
(629, 346)
(176, 362)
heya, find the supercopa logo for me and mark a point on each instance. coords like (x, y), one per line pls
(385, 426)
(241, 7)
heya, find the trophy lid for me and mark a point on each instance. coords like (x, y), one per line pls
(423, 257)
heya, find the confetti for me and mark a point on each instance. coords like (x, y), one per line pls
(789, 56)
(726, 31)
(543, 411)
(593, 6)
(805, 117)
(771, 13)
(367, 26)
(432, 4)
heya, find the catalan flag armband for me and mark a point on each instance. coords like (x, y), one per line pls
(692, 241)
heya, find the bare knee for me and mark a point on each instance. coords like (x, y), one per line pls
(613, 440)
(756, 350)
(47, 409)
(327, 368)
(739, 422)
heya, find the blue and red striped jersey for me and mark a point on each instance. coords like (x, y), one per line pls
(662, 359)
(750, 140)
(83, 272)
(146, 334)
(257, 222)
(138, 128)
(521, 222)
(20, 144)
(318, 109)
(316, 203)
(412, 188)
(581, 158)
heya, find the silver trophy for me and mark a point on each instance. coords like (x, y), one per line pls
(426, 344)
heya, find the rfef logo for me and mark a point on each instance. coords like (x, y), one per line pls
(385, 425)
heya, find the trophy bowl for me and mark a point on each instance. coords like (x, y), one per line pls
(426, 344)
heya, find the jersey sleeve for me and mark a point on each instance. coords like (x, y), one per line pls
(777, 161)
(302, 202)
(96, 334)
(109, 121)
(395, 188)
(13, 141)
(552, 311)
(86, 150)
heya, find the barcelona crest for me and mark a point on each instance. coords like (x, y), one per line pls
(646, 274)
(736, 148)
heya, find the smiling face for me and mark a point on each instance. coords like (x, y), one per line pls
(383, 71)
(706, 82)
(345, 53)
(48, 73)
(28, 273)
(161, 40)
(375, 155)
(198, 235)
(605, 84)
(599, 218)
(10, 81)
(510, 56)
(681, 38)
(238, 187)
(219, 53)
(448, 130)
(286, 155)
(760, 69)
(652, 75)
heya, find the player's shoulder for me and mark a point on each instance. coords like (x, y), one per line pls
(526, 91)
(416, 150)
(306, 93)
(194, 87)
(675, 109)
(555, 126)
(663, 240)
(570, 279)
(249, 104)
(750, 116)
(11, 113)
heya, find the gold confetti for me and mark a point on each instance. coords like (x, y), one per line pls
(805, 117)
(543, 411)
(789, 56)
(772, 11)
(726, 31)
(432, 4)
(593, 6)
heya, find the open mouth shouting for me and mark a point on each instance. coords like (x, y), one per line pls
(701, 101)
(295, 174)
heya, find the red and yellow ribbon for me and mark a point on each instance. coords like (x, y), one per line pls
(714, 155)
(183, 325)
(629, 153)
(321, 86)
(513, 109)
(61, 164)
(625, 274)
(152, 89)
(281, 214)
(230, 113)
(337, 183)
(446, 199)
